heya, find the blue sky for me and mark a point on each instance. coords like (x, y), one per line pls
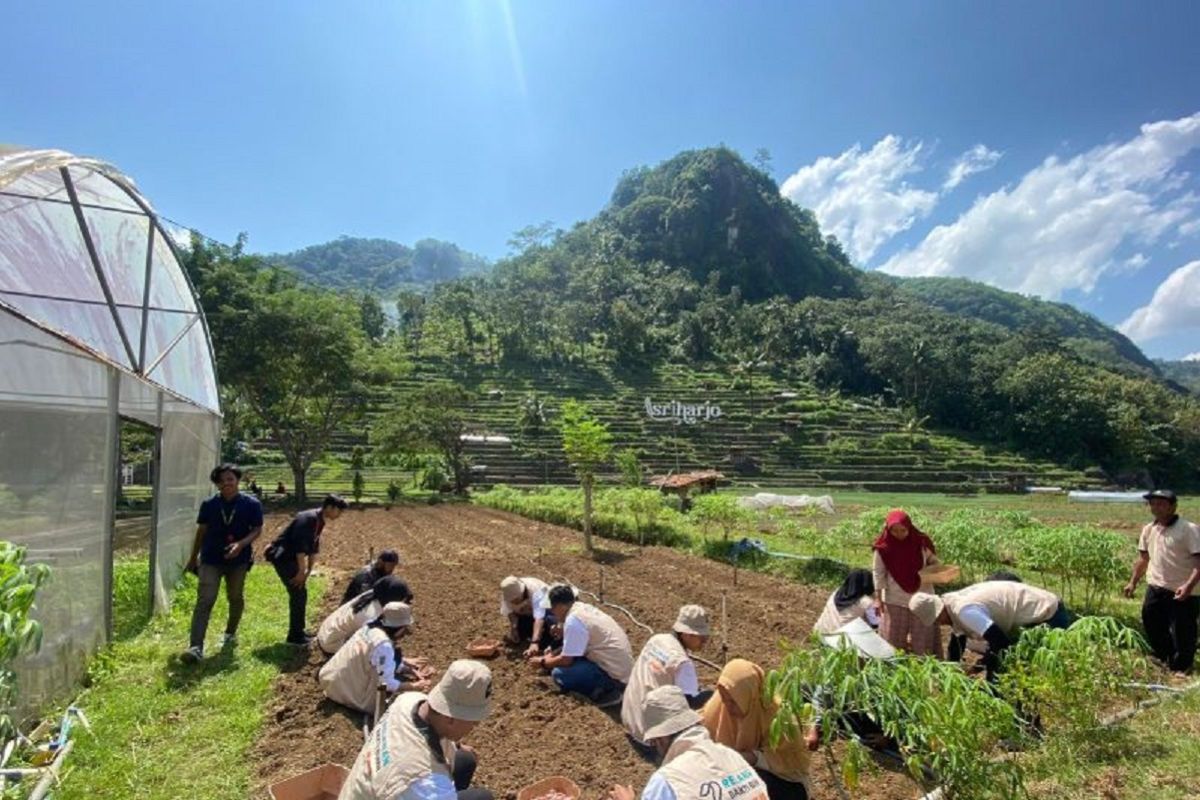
(301, 121)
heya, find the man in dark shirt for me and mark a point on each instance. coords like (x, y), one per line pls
(294, 553)
(228, 523)
(385, 564)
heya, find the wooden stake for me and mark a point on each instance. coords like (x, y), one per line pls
(601, 583)
(724, 629)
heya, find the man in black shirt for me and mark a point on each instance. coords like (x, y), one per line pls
(385, 564)
(228, 523)
(294, 553)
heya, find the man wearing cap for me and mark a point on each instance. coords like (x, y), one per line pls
(413, 753)
(294, 554)
(694, 767)
(1169, 551)
(596, 659)
(385, 564)
(664, 661)
(525, 602)
(371, 659)
(993, 611)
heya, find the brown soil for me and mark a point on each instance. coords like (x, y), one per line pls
(454, 557)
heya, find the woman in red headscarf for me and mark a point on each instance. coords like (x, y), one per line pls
(901, 552)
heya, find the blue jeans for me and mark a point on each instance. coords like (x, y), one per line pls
(585, 677)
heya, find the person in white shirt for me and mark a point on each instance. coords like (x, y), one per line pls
(665, 661)
(371, 660)
(414, 753)
(694, 767)
(596, 659)
(1169, 557)
(525, 603)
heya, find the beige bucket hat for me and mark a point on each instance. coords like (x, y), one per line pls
(692, 619)
(665, 711)
(511, 589)
(396, 615)
(464, 692)
(926, 607)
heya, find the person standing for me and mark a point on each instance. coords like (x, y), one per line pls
(665, 661)
(694, 766)
(901, 552)
(1169, 557)
(414, 752)
(294, 554)
(226, 527)
(385, 564)
(596, 659)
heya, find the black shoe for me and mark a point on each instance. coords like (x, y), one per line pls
(612, 697)
(303, 642)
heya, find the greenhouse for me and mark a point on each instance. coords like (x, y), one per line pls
(99, 327)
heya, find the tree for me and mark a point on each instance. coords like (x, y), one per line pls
(434, 418)
(587, 443)
(299, 359)
(374, 321)
(411, 308)
(356, 463)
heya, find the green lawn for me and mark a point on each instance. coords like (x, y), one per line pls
(162, 729)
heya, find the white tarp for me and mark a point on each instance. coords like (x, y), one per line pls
(1106, 497)
(764, 500)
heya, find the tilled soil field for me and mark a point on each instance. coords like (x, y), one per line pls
(453, 558)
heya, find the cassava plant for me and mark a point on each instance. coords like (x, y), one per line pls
(19, 583)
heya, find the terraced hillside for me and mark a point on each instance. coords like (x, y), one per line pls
(768, 433)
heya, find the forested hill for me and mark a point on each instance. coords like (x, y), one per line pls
(708, 212)
(1185, 373)
(1077, 331)
(381, 266)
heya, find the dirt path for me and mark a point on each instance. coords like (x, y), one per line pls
(454, 557)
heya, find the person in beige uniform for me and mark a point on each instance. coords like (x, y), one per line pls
(854, 599)
(524, 603)
(414, 751)
(349, 617)
(694, 767)
(596, 659)
(993, 611)
(1169, 557)
(372, 659)
(664, 661)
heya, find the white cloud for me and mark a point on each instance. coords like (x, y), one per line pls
(862, 198)
(978, 159)
(1063, 225)
(1192, 357)
(1175, 307)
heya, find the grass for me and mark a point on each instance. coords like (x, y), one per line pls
(162, 729)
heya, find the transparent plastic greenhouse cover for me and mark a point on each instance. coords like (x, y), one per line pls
(97, 322)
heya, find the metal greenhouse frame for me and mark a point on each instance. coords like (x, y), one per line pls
(98, 322)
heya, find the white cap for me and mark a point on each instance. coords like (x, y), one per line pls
(396, 615)
(511, 589)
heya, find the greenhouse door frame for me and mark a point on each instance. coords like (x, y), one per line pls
(115, 419)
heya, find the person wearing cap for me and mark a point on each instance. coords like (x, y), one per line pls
(693, 764)
(226, 527)
(596, 659)
(294, 554)
(901, 552)
(994, 611)
(413, 753)
(384, 565)
(854, 599)
(525, 603)
(664, 661)
(739, 717)
(349, 617)
(371, 660)
(1169, 557)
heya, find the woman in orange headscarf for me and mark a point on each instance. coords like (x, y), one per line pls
(737, 716)
(901, 552)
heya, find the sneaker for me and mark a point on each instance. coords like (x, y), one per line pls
(193, 655)
(229, 640)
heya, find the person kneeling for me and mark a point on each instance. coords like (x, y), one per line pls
(596, 659)
(371, 659)
(414, 751)
(693, 765)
